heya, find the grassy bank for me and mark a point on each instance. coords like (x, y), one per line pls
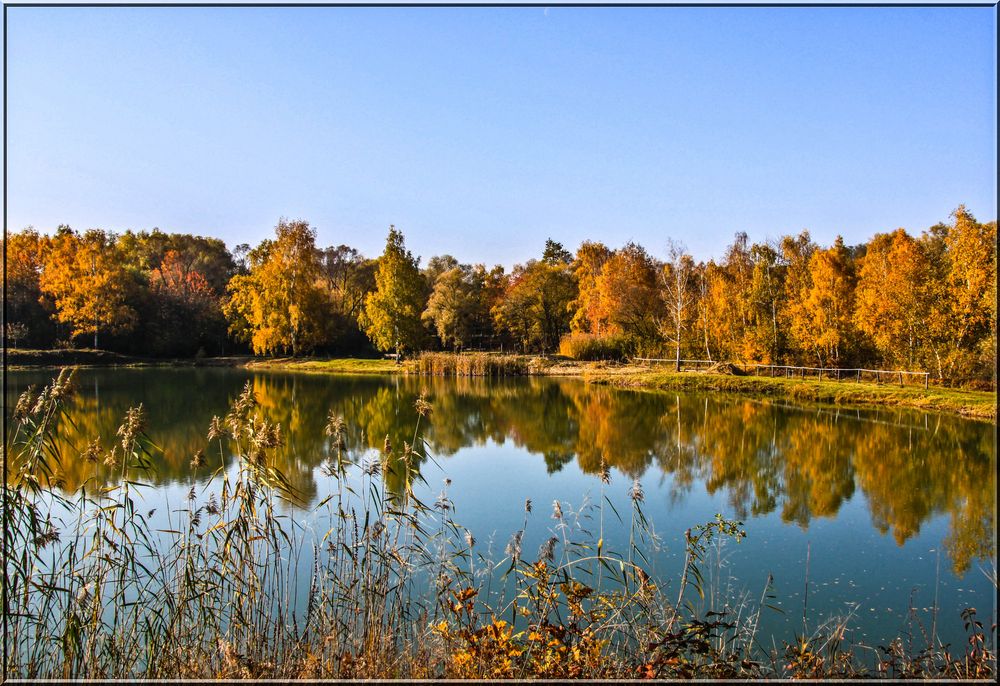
(973, 404)
(344, 365)
(395, 588)
(968, 403)
(85, 357)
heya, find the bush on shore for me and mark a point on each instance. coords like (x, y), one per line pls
(590, 347)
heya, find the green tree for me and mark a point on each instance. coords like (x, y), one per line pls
(391, 315)
(451, 308)
(535, 308)
(555, 253)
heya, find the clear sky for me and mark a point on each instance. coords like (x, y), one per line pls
(480, 132)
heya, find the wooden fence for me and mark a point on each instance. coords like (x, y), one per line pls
(673, 361)
(792, 372)
(789, 371)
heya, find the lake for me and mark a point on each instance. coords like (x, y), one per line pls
(887, 509)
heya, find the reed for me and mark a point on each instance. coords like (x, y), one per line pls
(372, 584)
(585, 346)
(472, 364)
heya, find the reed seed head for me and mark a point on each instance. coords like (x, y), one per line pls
(605, 472)
(372, 466)
(636, 493)
(47, 537)
(216, 429)
(557, 512)
(198, 461)
(513, 549)
(92, 452)
(111, 461)
(422, 406)
(547, 550)
(23, 407)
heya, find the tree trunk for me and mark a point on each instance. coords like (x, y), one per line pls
(677, 345)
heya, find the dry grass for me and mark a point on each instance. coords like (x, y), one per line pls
(471, 364)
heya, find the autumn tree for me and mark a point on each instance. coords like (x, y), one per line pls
(702, 280)
(391, 315)
(86, 278)
(628, 302)
(796, 320)
(535, 307)
(730, 306)
(763, 336)
(677, 284)
(28, 310)
(209, 257)
(963, 308)
(188, 315)
(891, 296)
(280, 306)
(587, 266)
(828, 308)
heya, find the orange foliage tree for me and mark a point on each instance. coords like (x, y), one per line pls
(86, 277)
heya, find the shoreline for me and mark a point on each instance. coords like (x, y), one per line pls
(979, 405)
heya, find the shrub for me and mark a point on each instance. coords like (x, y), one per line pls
(472, 364)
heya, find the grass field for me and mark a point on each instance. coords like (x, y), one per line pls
(974, 404)
(346, 365)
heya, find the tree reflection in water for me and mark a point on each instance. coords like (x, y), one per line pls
(764, 456)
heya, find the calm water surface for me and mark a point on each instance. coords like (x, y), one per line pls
(892, 507)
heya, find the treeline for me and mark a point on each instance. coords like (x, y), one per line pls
(897, 301)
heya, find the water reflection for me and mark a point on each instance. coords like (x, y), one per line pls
(763, 456)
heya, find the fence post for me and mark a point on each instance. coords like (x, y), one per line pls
(927, 377)
(859, 376)
(901, 379)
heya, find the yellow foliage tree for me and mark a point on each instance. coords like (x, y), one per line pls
(829, 303)
(892, 298)
(86, 278)
(628, 301)
(590, 260)
(280, 306)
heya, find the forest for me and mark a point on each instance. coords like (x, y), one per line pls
(898, 301)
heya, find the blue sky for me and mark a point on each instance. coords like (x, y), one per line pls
(480, 132)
